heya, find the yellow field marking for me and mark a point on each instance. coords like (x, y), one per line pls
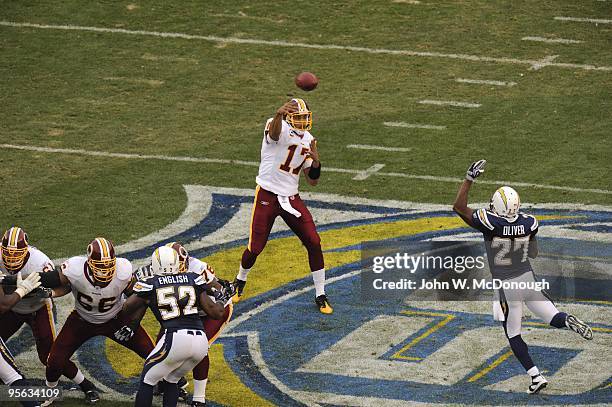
(492, 366)
(221, 378)
(544, 325)
(446, 320)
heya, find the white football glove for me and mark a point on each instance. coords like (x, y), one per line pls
(24, 287)
(475, 170)
(124, 334)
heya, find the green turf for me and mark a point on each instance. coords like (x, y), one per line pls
(178, 97)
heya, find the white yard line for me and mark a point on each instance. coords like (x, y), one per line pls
(552, 40)
(546, 61)
(485, 82)
(449, 103)
(368, 172)
(585, 20)
(234, 40)
(381, 148)
(372, 170)
(414, 126)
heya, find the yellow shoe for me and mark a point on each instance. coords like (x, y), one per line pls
(239, 289)
(323, 304)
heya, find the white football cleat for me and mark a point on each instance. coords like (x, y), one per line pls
(537, 383)
(579, 327)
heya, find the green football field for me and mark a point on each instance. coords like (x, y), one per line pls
(109, 108)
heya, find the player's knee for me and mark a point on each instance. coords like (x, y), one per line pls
(312, 242)
(253, 251)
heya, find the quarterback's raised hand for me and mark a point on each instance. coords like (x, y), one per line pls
(288, 107)
(313, 153)
(475, 170)
(24, 287)
(124, 334)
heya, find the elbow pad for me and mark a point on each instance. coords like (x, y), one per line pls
(314, 173)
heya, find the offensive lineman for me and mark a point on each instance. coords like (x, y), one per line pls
(287, 149)
(510, 240)
(9, 374)
(212, 327)
(35, 311)
(98, 283)
(173, 297)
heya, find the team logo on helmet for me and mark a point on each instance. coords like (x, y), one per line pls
(182, 254)
(14, 249)
(101, 260)
(505, 202)
(165, 261)
(302, 119)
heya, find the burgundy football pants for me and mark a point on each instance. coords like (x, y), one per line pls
(42, 325)
(266, 209)
(76, 331)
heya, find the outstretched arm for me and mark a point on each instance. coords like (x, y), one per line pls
(313, 172)
(461, 201)
(276, 125)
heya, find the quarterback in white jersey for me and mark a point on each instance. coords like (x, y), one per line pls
(287, 149)
(36, 309)
(99, 283)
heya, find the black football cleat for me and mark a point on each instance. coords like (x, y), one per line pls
(323, 304)
(91, 397)
(579, 327)
(239, 289)
(198, 404)
(537, 383)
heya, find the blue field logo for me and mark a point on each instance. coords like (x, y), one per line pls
(394, 352)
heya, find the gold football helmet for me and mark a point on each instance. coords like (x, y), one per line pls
(101, 260)
(14, 249)
(302, 119)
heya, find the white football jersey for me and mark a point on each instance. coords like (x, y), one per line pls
(282, 160)
(93, 303)
(200, 267)
(37, 262)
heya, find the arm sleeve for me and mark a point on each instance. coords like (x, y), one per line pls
(535, 226)
(481, 221)
(143, 290)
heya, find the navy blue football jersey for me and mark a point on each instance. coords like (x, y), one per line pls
(507, 242)
(173, 299)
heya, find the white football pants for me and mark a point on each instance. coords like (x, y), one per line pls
(176, 354)
(8, 370)
(510, 304)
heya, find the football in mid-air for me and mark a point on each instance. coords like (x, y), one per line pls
(306, 81)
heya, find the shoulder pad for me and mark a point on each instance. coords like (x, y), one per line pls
(124, 269)
(483, 217)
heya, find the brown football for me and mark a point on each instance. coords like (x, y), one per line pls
(306, 81)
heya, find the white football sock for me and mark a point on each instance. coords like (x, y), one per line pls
(242, 273)
(533, 371)
(319, 282)
(78, 379)
(199, 390)
(51, 384)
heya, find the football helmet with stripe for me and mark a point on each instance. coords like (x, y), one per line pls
(14, 249)
(101, 260)
(506, 203)
(301, 120)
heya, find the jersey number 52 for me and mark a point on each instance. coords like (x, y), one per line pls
(170, 297)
